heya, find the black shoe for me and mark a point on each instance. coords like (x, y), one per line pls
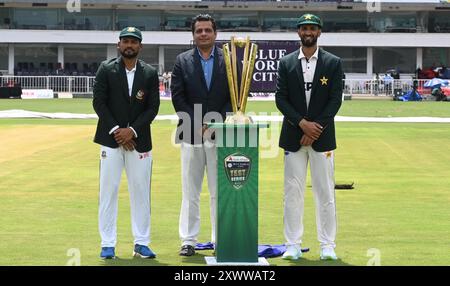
(187, 250)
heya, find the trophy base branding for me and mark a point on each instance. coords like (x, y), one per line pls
(237, 168)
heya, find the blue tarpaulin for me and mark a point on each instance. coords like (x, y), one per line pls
(436, 82)
(411, 96)
(264, 250)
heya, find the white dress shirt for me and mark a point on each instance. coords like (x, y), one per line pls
(309, 69)
(130, 80)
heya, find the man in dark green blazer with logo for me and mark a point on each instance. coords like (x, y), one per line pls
(309, 94)
(126, 100)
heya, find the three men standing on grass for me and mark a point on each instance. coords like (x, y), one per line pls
(126, 99)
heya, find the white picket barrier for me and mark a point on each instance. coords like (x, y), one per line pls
(84, 84)
(69, 84)
(364, 87)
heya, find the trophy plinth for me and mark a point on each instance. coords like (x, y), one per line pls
(237, 143)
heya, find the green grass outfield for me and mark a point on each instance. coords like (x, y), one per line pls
(400, 206)
(372, 108)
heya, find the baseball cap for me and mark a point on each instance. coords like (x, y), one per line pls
(309, 19)
(131, 32)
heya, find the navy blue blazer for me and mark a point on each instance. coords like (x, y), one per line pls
(189, 89)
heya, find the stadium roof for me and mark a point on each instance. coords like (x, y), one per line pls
(214, 4)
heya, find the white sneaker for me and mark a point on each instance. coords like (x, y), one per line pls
(327, 253)
(293, 252)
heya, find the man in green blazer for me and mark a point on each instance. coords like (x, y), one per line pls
(309, 94)
(126, 100)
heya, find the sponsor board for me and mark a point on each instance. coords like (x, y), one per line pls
(65, 95)
(37, 94)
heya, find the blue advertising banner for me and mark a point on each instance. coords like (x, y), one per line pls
(269, 54)
(266, 66)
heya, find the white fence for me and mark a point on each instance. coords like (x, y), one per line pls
(72, 84)
(84, 85)
(362, 87)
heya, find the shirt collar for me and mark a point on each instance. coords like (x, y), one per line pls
(315, 55)
(133, 69)
(210, 55)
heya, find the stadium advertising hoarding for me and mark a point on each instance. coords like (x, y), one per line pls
(37, 94)
(264, 79)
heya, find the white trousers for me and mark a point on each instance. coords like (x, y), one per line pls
(138, 167)
(322, 179)
(194, 159)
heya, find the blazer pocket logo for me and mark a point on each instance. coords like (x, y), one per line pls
(140, 95)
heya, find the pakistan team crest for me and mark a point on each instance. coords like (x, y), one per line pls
(237, 168)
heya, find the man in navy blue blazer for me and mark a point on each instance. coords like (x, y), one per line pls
(199, 94)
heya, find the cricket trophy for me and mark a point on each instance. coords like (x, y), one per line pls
(239, 90)
(237, 165)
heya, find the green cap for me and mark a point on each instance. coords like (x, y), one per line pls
(309, 19)
(131, 32)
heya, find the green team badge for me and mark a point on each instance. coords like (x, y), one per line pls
(237, 168)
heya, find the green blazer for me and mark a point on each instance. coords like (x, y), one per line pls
(326, 98)
(114, 106)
